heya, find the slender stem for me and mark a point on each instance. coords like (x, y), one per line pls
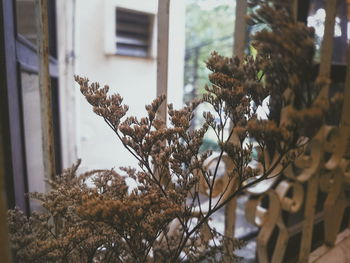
(239, 190)
(223, 193)
(215, 173)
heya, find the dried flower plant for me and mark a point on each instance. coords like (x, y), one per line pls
(163, 219)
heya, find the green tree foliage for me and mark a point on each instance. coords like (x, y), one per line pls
(209, 26)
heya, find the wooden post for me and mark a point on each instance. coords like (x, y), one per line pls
(162, 54)
(239, 41)
(240, 32)
(327, 43)
(45, 89)
(312, 187)
(295, 9)
(345, 119)
(195, 72)
(309, 218)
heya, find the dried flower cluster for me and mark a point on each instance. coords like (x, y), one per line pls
(163, 219)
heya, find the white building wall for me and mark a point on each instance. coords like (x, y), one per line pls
(134, 78)
(66, 21)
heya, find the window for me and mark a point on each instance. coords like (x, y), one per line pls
(19, 99)
(133, 33)
(130, 28)
(26, 24)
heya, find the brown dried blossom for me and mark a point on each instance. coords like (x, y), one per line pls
(162, 219)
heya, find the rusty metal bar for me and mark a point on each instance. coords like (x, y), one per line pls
(45, 89)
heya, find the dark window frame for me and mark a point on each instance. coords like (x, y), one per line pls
(17, 55)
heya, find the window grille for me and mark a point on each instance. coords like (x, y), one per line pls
(133, 32)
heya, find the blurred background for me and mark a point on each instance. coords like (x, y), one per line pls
(112, 42)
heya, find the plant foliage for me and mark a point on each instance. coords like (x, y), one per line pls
(164, 219)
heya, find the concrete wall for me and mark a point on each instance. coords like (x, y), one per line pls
(134, 78)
